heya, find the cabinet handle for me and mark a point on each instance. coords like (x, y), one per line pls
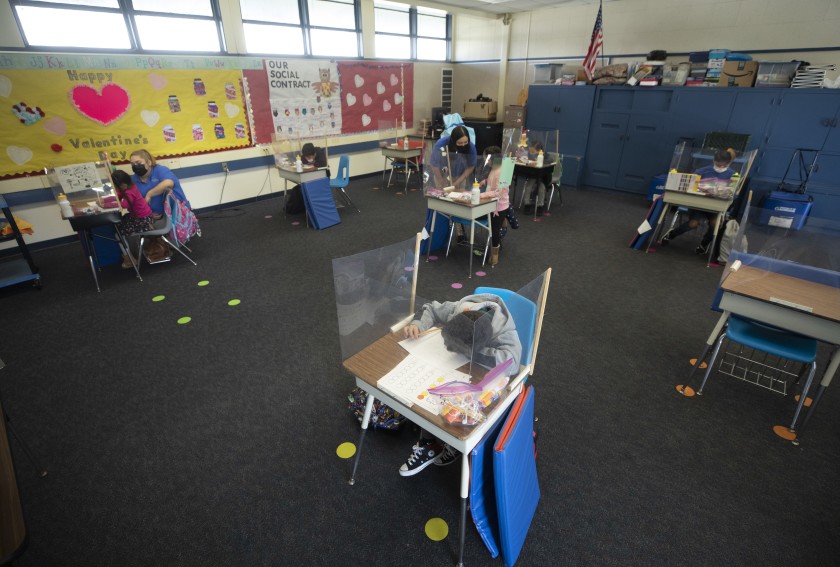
(834, 123)
(826, 122)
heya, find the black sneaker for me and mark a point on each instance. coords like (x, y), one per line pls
(423, 454)
(447, 456)
(702, 249)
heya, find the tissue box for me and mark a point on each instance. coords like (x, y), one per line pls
(480, 110)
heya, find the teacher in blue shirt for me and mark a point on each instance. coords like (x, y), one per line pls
(153, 180)
(453, 159)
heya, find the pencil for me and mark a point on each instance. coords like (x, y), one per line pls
(432, 330)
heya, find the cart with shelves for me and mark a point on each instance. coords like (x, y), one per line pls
(16, 270)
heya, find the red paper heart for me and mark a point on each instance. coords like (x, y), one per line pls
(103, 107)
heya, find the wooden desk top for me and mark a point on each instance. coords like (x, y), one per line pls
(376, 360)
(795, 293)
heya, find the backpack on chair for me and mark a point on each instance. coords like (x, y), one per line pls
(184, 222)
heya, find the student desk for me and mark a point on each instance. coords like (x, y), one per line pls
(784, 301)
(394, 152)
(529, 170)
(379, 358)
(463, 210)
(288, 173)
(84, 225)
(698, 201)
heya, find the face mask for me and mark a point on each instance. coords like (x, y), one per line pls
(139, 169)
(463, 149)
(720, 169)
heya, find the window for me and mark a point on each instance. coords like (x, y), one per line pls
(137, 25)
(323, 28)
(403, 32)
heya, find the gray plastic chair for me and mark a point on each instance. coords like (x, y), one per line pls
(162, 228)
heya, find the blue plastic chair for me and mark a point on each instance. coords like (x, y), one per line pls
(341, 180)
(774, 341)
(524, 312)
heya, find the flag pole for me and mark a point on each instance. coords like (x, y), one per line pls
(603, 51)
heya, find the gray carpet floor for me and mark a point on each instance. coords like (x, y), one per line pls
(214, 442)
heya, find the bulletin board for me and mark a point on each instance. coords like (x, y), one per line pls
(54, 117)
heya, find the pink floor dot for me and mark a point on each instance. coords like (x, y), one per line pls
(432, 258)
(409, 268)
(546, 214)
(295, 223)
(481, 274)
(457, 286)
(268, 216)
(536, 220)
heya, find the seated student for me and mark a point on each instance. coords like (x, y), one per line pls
(718, 170)
(536, 182)
(139, 217)
(478, 326)
(310, 154)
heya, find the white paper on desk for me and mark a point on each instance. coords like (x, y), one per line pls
(644, 227)
(431, 349)
(410, 381)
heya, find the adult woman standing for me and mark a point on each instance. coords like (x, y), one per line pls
(453, 159)
(153, 180)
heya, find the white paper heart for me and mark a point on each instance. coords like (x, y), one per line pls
(397, 98)
(157, 81)
(386, 106)
(150, 117)
(55, 125)
(380, 88)
(351, 100)
(366, 100)
(19, 155)
(231, 109)
(359, 81)
(394, 80)
(5, 86)
(365, 120)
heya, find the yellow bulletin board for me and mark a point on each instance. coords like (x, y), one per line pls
(64, 116)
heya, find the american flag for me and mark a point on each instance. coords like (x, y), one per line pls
(595, 45)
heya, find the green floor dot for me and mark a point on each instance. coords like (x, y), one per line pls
(346, 450)
(159, 298)
(233, 302)
(184, 320)
(436, 529)
(203, 283)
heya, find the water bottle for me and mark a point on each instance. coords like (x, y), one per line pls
(64, 204)
(298, 164)
(476, 194)
(540, 159)
(405, 143)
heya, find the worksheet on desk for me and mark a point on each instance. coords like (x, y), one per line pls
(430, 348)
(410, 382)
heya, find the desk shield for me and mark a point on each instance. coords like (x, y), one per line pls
(532, 141)
(768, 241)
(86, 186)
(373, 294)
(393, 134)
(492, 172)
(689, 158)
(287, 149)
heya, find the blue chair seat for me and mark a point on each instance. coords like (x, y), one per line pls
(772, 340)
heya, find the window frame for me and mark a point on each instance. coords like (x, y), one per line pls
(125, 8)
(412, 33)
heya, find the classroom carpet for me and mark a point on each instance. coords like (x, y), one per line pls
(192, 419)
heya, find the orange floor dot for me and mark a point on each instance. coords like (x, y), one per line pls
(784, 432)
(693, 361)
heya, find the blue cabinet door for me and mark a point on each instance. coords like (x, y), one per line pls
(803, 119)
(606, 141)
(752, 113)
(543, 107)
(832, 141)
(645, 153)
(697, 111)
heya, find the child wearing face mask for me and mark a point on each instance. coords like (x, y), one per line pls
(718, 170)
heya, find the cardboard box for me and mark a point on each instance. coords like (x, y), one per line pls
(480, 110)
(514, 117)
(738, 74)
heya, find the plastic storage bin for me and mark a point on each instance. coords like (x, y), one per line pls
(785, 210)
(776, 74)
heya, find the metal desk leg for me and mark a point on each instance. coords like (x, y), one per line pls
(830, 370)
(657, 229)
(365, 422)
(431, 235)
(465, 493)
(714, 239)
(90, 250)
(686, 389)
(472, 243)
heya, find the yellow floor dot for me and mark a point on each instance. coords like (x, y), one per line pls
(346, 450)
(184, 320)
(203, 283)
(159, 298)
(233, 302)
(436, 529)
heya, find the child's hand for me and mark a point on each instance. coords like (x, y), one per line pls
(411, 332)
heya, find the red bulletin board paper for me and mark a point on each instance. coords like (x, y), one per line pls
(260, 104)
(372, 93)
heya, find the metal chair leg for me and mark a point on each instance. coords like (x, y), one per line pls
(711, 363)
(803, 395)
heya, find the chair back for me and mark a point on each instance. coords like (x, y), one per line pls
(343, 176)
(724, 140)
(557, 173)
(524, 312)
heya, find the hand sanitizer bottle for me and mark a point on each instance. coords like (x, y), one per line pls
(540, 159)
(476, 194)
(64, 204)
(298, 164)
(405, 143)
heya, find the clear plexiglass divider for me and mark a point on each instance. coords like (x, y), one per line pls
(689, 171)
(451, 175)
(532, 142)
(398, 135)
(288, 150)
(83, 188)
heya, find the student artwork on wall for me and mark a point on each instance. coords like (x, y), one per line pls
(304, 97)
(64, 116)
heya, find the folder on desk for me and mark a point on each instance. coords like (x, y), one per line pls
(515, 472)
(320, 204)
